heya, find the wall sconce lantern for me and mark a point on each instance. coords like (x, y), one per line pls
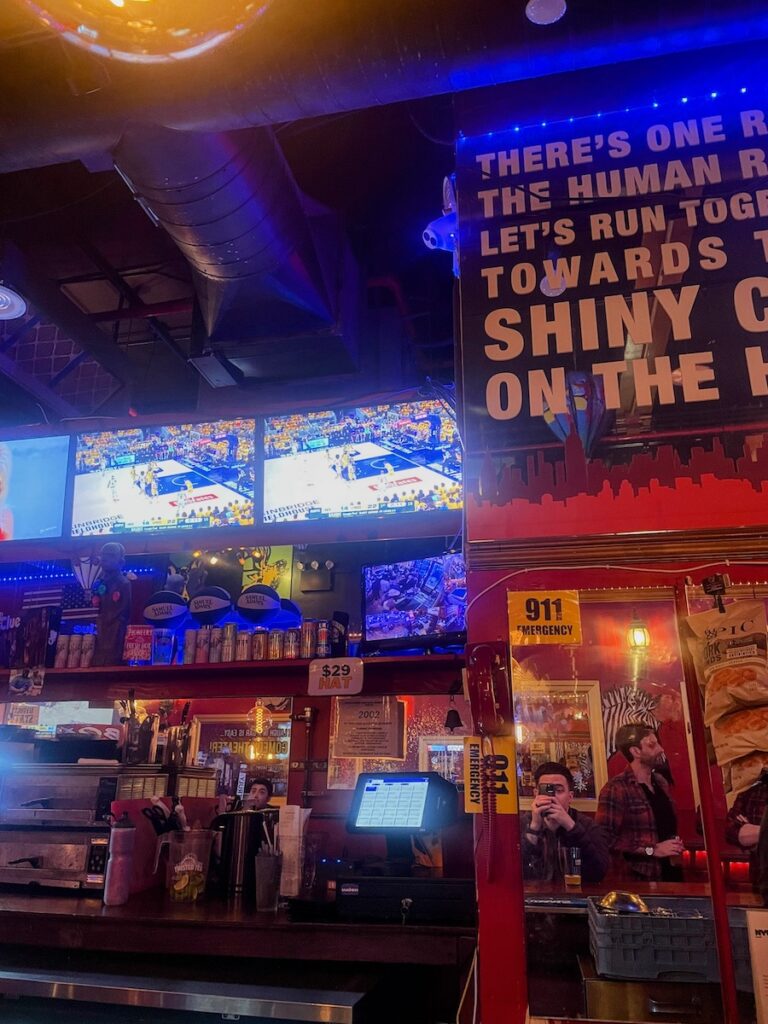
(638, 636)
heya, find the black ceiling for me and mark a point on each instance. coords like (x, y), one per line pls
(78, 230)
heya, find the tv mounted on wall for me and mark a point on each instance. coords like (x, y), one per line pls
(418, 603)
(33, 478)
(157, 478)
(379, 460)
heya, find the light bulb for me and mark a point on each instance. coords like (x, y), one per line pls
(545, 12)
(12, 305)
(147, 31)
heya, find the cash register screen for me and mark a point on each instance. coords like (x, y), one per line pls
(392, 803)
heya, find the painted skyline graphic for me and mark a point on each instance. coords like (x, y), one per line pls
(657, 490)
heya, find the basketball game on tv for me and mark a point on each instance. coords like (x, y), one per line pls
(415, 600)
(374, 460)
(184, 476)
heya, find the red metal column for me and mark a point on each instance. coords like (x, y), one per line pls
(714, 866)
(503, 989)
(502, 965)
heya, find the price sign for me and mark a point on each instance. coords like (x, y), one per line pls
(337, 676)
(543, 617)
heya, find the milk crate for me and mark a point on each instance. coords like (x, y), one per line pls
(634, 945)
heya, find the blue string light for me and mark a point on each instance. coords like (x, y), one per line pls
(654, 105)
(45, 577)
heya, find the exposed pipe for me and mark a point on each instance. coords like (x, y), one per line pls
(305, 60)
(230, 203)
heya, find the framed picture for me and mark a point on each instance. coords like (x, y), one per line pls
(264, 747)
(444, 755)
(562, 722)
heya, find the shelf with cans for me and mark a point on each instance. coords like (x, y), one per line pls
(399, 674)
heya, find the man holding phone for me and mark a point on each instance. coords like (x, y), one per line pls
(552, 824)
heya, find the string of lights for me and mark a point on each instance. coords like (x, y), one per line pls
(654, 104)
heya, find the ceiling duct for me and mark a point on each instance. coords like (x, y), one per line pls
(230, 203)
(303, 60)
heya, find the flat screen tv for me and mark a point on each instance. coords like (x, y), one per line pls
(179, 477)
(380, 460)
(33, 478)
(418, 603)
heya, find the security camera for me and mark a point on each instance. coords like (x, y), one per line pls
(441, 233)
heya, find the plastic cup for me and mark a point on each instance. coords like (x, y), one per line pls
(189, 854)
(162, 646)
(570, 862)
(267, 882)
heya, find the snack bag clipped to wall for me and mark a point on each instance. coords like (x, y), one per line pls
(730, 651)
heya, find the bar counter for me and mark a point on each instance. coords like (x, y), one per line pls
(153, 924)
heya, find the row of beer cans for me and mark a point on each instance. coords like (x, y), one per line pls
(215, 644)
(75, 650)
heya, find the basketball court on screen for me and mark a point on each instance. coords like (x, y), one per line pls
(296, 484)
(112, 496)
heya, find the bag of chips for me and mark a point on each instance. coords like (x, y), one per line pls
(730, 652)
(740, 734)
(745, 771)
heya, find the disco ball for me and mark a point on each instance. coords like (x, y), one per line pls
(146, 31)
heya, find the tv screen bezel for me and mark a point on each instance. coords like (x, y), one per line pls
(438, 520)
(455, 639)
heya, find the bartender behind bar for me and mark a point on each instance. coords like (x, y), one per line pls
(637, 812)
(552, 824)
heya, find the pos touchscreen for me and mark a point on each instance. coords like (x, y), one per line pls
(402, 802)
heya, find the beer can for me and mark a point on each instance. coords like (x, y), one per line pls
(259, 649)
(62, 650)
(323, 648)
(276, 644)
(75, 647)
(190, 643)
(217, 642)
(308, 638)
(243, 646)
(292, 644)
(87, 649)
(203, 645)
(229, 642)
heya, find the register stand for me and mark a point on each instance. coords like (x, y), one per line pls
(401, 806)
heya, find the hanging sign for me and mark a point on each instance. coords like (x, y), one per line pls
(339, 676)
(490, 768)
(370, 727)
(543, 617)
(611, 266)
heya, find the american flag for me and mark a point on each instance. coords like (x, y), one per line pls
(70, 597)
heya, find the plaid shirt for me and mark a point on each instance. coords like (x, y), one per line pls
(627, 818)
(751, 805)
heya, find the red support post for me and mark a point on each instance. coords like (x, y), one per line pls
(502, 963)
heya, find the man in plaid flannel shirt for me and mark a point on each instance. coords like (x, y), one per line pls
(636, 810)
(742, 826)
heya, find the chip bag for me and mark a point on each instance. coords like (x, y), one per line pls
(740, 735)
(730, 652)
